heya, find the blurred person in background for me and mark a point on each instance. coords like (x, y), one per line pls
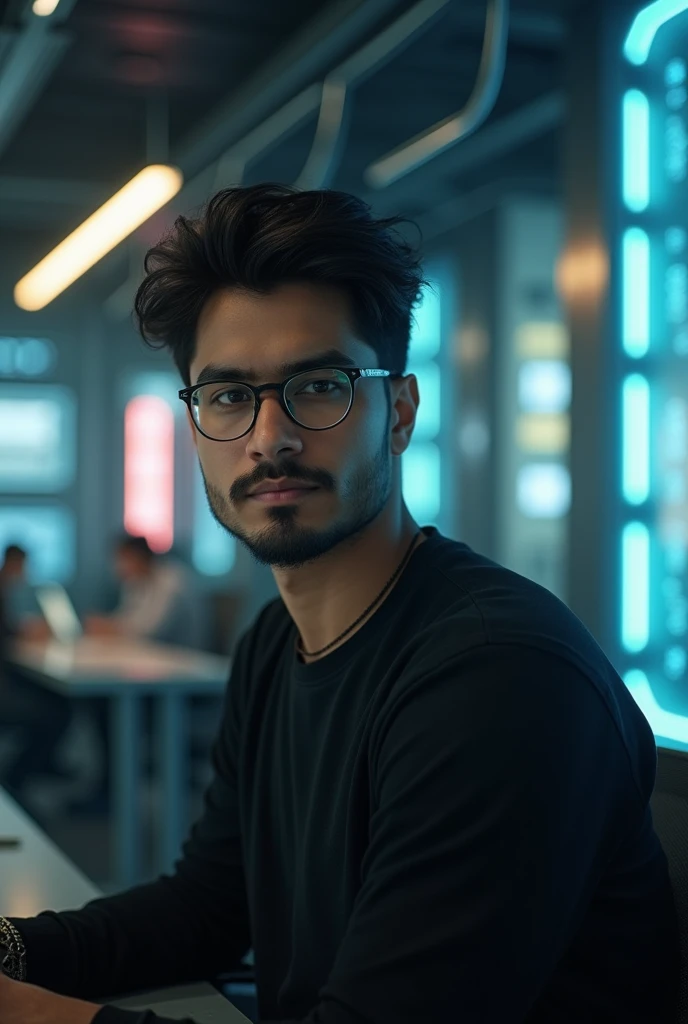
(159, 598)
(35, 717)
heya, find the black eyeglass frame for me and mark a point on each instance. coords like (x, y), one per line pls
(352, 372)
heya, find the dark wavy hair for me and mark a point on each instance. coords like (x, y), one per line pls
(266, 235)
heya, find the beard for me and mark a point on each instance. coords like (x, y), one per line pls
(285, 543)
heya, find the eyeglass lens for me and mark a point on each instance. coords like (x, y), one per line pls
(317, 399)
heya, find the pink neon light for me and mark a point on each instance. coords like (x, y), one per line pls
(149, 471)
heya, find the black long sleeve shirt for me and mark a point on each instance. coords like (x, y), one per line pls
(445, 819)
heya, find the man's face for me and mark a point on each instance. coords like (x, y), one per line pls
(350, 463)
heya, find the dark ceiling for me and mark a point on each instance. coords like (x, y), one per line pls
(180, 80)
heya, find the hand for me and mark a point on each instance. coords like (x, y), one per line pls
(27, 1004)
(101, 625)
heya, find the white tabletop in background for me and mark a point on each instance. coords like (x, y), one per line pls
(36, 875)
(103, 663)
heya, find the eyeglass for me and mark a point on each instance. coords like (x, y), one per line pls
(316, 399)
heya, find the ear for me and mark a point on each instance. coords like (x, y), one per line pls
(405, 402)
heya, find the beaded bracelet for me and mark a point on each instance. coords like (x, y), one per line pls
(14, 962)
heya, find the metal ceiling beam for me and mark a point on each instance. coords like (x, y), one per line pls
(454, 129)
(331, 98)
(28, 63)
(493, 141)
(326, 39)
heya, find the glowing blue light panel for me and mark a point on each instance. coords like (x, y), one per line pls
(37, 438)
(544, 386)
(543, 490)
(635, 572)
(636, 292)
(650, 354)
(47, 533)
(636, 164)
(429, 415)
(213, 549)
(426, 329)
(636, 439)
(421, 482)
(647, 24)
(670, 729)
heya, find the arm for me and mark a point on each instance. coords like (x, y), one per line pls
(486, 776)
(185, 927)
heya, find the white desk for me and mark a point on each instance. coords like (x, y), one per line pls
(125, 671)
(36, 875)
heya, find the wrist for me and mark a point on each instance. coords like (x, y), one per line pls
(12, 951)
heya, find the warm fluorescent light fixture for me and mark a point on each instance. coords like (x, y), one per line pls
(44, 8)
(150, 189)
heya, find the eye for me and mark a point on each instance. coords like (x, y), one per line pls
(337, 387)
(233, 397)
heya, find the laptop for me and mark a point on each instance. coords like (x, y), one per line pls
(200, 1003)
(58, 612)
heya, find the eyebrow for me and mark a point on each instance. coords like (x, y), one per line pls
(221, 371)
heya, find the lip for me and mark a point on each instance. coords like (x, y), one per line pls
(281, 497)
(285, 483)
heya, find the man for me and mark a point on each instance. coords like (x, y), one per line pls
(430, 799)
(159, 600)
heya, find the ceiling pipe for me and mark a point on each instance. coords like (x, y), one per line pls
(28, 64)
(453, 129)
(331, 99)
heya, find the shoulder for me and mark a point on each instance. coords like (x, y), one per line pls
(511, 711)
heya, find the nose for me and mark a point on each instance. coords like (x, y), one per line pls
(274, 432)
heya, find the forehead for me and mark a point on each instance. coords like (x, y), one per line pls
(256, 336)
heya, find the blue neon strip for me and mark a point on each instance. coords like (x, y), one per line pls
(645, 26)
(636, 150)
(635, 587)
(664, 723)
(636, 439)
(636, 292)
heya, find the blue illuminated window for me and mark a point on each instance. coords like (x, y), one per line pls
(428, 418)
(213, 549)
(37, 438)
(636, 292)
(636, 439)
(47, 533)
(646, 25)
(666, 725)
(427, 327)
(636, 162)
(635, 587)
(421, 462)
(544, 386)
(543, 490)
(26, 357)
(421, 482)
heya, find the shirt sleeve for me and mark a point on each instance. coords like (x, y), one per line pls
(500, 789)
(187, 926)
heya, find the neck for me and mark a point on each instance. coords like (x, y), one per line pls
(325, 597)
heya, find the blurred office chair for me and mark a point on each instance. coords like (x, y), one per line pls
(669, 804)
